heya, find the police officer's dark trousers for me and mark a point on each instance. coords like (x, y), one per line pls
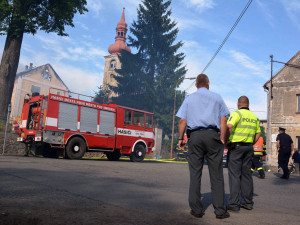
(283, 159)
(240, 177)
(201, 143)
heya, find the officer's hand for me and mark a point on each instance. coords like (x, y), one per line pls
(181, 144)
(223, 141)
(228, 144)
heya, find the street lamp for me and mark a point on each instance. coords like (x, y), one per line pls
(188, 78)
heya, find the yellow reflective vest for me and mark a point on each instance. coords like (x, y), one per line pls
(245, 125)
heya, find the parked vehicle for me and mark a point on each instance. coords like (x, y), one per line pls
(62, 124)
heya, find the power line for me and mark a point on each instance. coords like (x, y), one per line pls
(289, 64)
(227, 36)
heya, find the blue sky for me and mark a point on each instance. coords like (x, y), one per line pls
(241, 67)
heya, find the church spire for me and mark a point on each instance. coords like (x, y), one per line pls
(120, 43)
(123, 17)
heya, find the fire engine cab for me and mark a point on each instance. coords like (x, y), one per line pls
(63, 123)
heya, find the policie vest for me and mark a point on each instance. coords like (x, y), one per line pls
(245, 126)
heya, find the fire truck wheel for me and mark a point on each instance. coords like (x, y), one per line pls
(113, 156)
(138, 153)
(75, 148)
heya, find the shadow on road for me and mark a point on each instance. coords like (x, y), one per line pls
(294, 179)
(102, 188)
(207, 200)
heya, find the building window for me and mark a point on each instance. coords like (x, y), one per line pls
(127, 117)
(58, 93)
(113, 64)
(298, 143)
(35, 89)
(138, 119)
(121, 34)
(45, 75)
(298, 100)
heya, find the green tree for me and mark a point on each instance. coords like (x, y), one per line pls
(263, 133)
(101, 96)
(132, 86)
(148, 78)
(27, 16)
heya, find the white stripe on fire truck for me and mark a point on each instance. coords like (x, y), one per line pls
(51, 122)
(134, 133)
(98, 128)
(78, 125)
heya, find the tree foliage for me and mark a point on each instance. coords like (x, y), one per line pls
(28, 16)
(263, 133)
(101, 96)
(148, 78)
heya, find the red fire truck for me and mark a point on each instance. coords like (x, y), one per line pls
(69, 125)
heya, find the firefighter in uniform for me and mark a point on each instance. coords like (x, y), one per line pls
(244, 129)
(258, 153)
(28, 145)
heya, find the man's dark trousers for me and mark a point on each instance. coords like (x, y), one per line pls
(283, 159)
(206, 142)
(240, 177)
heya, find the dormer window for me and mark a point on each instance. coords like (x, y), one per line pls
(45, 75)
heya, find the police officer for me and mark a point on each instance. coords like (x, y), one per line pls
(204, 114)
(258, 153)
(284, 149)
(244, 129)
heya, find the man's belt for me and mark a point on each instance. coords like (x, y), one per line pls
(242, 144)
(189, 131)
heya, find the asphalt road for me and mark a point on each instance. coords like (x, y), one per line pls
(58, 191)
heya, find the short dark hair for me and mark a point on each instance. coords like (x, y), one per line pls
(202, 80)
(243, 100)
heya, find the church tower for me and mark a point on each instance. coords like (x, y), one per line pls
(112, 61)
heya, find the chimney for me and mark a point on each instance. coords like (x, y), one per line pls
(31, 66)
